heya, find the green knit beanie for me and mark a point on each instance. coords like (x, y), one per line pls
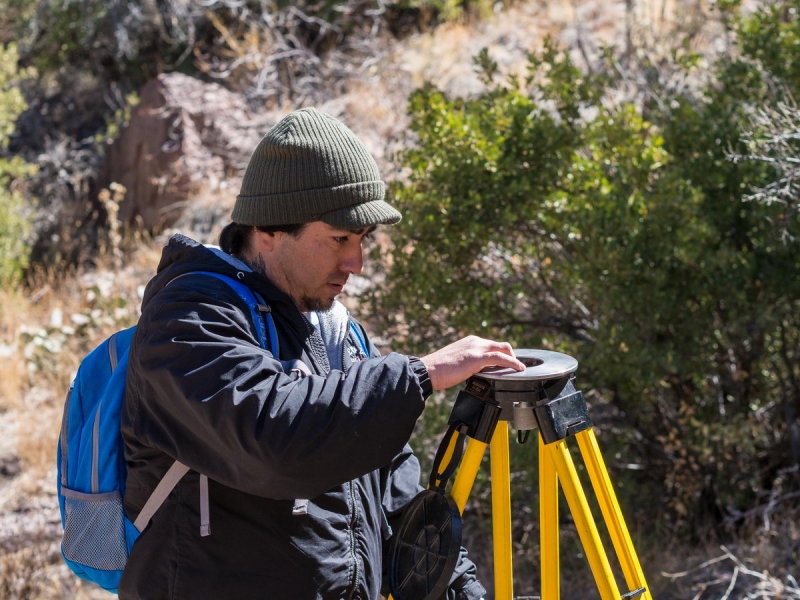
(311, 167)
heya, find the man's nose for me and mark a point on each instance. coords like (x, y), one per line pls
(353, 261)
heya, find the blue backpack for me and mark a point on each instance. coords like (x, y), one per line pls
(98, 536)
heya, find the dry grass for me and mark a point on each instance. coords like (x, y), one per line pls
(46, 331)
(12, 366)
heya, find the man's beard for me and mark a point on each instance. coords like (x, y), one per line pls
(319, 304)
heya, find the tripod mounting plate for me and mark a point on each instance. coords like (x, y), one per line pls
(541, 365)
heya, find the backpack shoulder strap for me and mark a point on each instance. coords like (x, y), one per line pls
(159, 495)
(268, 339)
(361, 336)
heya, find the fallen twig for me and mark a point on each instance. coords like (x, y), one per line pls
(766, 585)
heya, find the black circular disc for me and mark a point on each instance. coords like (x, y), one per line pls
(425, 548)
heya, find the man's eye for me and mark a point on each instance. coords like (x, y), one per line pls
(340, 239)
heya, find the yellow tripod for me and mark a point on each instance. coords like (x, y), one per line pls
(544, 398)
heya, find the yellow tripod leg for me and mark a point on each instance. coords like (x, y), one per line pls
(462, 485)
(587, 530)
(548, 525)
(501, 513)
(607, 499)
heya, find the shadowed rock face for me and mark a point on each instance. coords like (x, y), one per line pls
(184, 135)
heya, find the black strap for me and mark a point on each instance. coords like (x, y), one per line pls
(438, 479)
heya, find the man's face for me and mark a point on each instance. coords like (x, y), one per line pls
(314, 266)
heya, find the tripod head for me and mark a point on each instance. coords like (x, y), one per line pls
(542, 396)
(518, 393)
(544, 370)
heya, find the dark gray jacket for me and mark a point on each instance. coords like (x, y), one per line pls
(200, 390)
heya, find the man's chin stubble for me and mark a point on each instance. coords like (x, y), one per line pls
(317, 304)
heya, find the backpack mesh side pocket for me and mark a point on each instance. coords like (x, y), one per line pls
(94, 529)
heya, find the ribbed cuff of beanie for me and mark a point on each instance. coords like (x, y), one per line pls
(303, 206)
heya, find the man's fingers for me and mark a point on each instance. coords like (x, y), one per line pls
(501, 359)
(456, 362)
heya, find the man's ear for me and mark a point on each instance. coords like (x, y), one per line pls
(262, 242)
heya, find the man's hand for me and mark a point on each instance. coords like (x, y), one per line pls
(457, 362)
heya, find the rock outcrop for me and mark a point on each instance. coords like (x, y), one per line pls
(184, 136)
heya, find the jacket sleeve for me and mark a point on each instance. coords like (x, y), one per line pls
(401, 486)
(201, 390)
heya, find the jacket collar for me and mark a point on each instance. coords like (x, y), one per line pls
(184, 255)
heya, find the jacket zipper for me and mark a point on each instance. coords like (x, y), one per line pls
(354, 518)
(315, 358)
(345, 365)
(353, 521)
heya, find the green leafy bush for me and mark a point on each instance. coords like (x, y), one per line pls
(14, 219)
(543, 213)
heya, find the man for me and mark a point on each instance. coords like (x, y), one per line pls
(305, 453)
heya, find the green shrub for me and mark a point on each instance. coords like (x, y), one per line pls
(543, 213)
(15, 225)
